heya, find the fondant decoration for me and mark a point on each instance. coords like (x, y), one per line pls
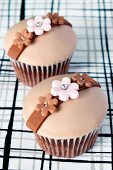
(39, 25)
(83, 80)
(35, 27)
(56, 19)
(65, 89)
(23, 38)
(61, 91)
(46, 104)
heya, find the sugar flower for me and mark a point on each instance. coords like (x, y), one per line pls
(23, 38)
(46, 104)
(39, 25)
(65, 89)
(83, 80)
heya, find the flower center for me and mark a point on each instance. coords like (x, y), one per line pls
(81, 79)
(39, 24)
(45, 104)
(64, 87)
(22, 38)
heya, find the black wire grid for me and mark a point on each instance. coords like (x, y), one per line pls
(93, 22)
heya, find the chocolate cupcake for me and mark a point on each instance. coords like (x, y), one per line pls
(40, 47)
(65, 113)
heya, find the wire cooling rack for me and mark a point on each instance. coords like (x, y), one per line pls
(93, 22)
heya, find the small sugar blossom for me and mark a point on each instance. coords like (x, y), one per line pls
(83, 80)
(23, 38)
(46, 104)
(56, 19)
(39, 25)
(65, 89)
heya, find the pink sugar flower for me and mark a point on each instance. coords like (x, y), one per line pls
(65, 89)
(39, 25)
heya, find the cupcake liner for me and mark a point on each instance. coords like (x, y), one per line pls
(67, 147)
(32, 75)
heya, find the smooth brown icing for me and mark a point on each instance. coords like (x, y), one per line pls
(54, 45)
(74, 118)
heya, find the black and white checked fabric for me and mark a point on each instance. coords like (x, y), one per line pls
(93, 22)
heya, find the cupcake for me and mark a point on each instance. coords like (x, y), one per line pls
(40, 47)
(65, 112)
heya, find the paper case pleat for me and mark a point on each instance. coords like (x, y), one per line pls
(32, 75)
(68, 147)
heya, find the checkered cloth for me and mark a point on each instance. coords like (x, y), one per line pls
(93, 22)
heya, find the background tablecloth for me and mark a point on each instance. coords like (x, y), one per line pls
(93, 22)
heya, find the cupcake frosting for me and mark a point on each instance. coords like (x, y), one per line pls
(51, 44)
(74, 117)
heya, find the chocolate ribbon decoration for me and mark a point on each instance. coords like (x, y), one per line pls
(25, 38)
(37, 118)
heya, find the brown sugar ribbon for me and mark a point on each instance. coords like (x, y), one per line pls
(26, 36)
(48, 105)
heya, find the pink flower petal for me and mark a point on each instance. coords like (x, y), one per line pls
(30, 22)
(63, 95)
(54, 91)
(30, 29)
(46, 27)
(39, 19)
(74, 86)
(70, 90)
(46, 21)
(56, 83)
(39, 31)
(66, 80)
(74, 94)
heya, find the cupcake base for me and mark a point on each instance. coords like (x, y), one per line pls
(68, 148)
(32, 75)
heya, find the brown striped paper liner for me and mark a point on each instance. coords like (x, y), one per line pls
(32, 75)
(67, 148)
